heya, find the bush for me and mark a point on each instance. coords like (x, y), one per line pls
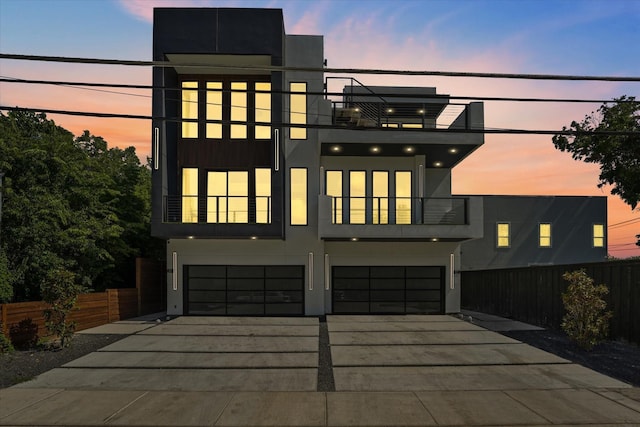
(586, 322)
(6, 289)
(61, 292)
(5, 343)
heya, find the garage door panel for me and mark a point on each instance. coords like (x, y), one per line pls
(207, 296)
(254, 290)
(256, 284)
(387, 272)
(397, 295)
(350, 283)
(387, 307)
(203, 283)
(390, 283)
(433, 284)
(282, 284)
(283, 296)
(388, 289)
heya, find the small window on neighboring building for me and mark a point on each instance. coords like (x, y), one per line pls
(190, 109)
(598, 235)
(298, 196)
(503, 235)
(298, 110)
(545, 235)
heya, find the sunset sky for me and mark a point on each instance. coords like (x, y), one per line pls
(571, 37)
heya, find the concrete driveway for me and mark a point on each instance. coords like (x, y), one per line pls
(388, 370)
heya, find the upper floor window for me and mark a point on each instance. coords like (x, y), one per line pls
(544, 235)
(403, 197)
(598, 235)
(503, 234)
(298, 110)
(226, 109)
(190, 195)
(334, 189)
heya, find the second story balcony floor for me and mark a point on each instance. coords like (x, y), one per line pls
(400, 218)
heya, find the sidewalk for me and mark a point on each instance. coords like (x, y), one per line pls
(388, 370)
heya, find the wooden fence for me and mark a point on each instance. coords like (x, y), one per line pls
(533, 294)
(23, 322)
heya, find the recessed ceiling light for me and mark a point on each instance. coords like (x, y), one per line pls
(356, 109)
(434, 239)
(189, 237)
(375, 149)
(453, 150)
(336, 148)
(420, 111)
(354, 239)
(437, 164)
(254, 237)
(389, 110)
(409, 149)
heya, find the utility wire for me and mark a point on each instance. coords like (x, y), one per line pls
(82, 85)
(167, 64)
(318, 126)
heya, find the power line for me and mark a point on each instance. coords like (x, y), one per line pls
(82, 85)
(319, 126)
(167, 64)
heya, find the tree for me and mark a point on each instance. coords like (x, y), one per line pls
(617, 155)
(61, 292)
(70, 203)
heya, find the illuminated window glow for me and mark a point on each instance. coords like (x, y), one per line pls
(598, 235)
(298, 182)
(189, 109)
(357, 199)
(545, 235)
(263, 196)
(228, 197)
(380, 197)
(334, 189)
(403, 197)
(238, 110)
(190, 195)
(503, 235)
(263, 110)
(298, 110)
(214, 109)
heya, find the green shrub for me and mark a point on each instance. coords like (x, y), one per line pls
(60, 291)
(586, 322)
(6, 289)
(5, 343)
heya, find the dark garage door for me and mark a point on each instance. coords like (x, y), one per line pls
(255, 290)
(401, 290)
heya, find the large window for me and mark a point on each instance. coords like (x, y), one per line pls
(380, 197)
(263, 110)
(228, 197)
(227, 109)
(334, 189)
(190, 195)
(263, 196)
(544, 235)
(357, 197)
(403, 197)
(598, 235)
(298, 110)
(503, 232)
(298, 182)
(190, 109)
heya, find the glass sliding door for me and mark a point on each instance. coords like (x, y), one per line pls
(403, 197)
(334, 189)
(357, 197)
(228, 197)
(380, 197)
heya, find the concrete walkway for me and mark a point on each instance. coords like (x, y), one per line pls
(388, 370)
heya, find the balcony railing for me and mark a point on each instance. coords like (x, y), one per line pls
(399, 210)
(217, 209)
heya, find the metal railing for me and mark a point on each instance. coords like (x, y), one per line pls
(217, 209)
(400, 210)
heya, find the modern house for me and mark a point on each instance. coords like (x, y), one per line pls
(279, 197)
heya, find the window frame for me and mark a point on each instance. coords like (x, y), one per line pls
(291, 112)
(540, 236)
(508, 236)
(337, 215)
(396, 197)
(306, 198)
(594, 237)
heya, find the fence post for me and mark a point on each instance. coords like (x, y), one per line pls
(5, 327)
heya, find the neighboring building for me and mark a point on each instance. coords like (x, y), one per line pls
(277, 200)
(521, 231)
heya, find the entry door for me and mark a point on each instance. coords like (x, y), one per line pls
(397, 289)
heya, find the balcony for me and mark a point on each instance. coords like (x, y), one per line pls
(401, 218)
